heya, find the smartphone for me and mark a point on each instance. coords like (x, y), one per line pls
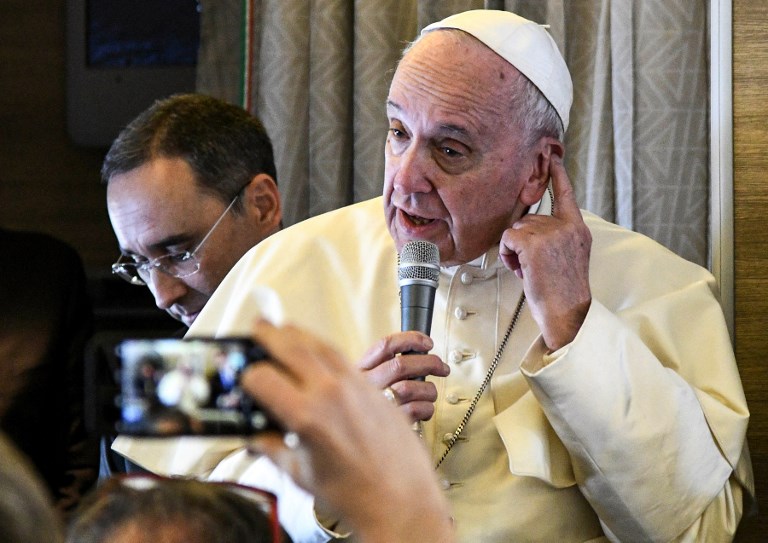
(171, 387)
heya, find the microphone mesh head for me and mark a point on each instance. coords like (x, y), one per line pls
(419, 260)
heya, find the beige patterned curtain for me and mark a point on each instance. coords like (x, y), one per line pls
(317, 73)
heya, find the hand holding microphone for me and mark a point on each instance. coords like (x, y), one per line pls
(418, 274)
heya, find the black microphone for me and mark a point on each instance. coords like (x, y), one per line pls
(418, 272)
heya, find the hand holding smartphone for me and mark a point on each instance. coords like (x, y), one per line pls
(172, 387)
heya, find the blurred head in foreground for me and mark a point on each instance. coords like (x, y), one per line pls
(26, 511)
(144, 508)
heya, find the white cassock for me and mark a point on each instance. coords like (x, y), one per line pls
(635, 431)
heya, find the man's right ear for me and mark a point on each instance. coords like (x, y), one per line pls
(538, 180)
(263, 199)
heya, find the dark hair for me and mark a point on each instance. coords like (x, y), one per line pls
(196, 511)
(223, 144)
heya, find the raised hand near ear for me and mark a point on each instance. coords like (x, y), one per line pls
(551, 254)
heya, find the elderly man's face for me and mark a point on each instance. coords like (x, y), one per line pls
(455, 169)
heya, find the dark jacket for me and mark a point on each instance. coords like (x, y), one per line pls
(45, 321)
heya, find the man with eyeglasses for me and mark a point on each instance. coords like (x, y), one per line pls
(191, 187)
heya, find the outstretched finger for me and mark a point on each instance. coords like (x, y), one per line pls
(565, 205)
(275, 391)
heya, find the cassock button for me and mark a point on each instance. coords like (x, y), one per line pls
(447, 438)
(445, 483)
(452, 398)
(460, 313)
(467, 278)
(454, 357)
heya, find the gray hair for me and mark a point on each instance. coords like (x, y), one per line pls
(536, 116)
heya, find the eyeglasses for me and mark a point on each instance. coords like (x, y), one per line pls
(178, 265)
(252, 509)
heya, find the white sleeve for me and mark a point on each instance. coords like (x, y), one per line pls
(654, 426)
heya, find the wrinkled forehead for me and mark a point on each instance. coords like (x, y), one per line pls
(148, 206)
(450, 71)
